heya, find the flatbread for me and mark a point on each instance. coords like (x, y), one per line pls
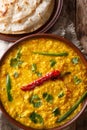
(24, 16)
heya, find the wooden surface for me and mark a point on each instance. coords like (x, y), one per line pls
(77, 11)
(81, 22)
(81, 123)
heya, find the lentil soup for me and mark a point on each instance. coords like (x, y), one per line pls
(43, 82)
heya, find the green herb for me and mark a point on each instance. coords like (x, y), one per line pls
(45, 95)
(18, 56)
(56, 111)
(36, 118)
(39, 74)
(75, 60)
(51, 54)
(61, 94)
(77, 80)
(48, 97)
(34, 68)
(14, 62)
(37, 104)
(8, 87)
(35, 100)
(16, 75)
(52, 63)
(69, 112)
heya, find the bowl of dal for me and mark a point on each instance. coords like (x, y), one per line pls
(43, 82)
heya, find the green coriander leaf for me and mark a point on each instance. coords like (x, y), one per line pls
(36, 118)
(18, 56)
(52, 63)
(35, 101)
(39, 74)
(34, 98)
(56, 111)
(61, 94)
(37, 104)
(48, 97)
(77, 80)
(45, 95)
(14, 62)
(16, 75)
(34, 68)
(75, 60)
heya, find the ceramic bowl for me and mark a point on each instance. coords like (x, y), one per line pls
(52, 37)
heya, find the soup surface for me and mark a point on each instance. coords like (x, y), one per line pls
(40, 80)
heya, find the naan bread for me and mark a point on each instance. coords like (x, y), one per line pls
(24, 16)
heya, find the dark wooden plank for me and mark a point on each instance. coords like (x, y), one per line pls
(71, 127)
(81, 22)
(70, 8)
(81, 123)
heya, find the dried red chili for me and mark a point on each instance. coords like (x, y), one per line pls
(49, 76)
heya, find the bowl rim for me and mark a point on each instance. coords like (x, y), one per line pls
(44, 28)
(50, 36)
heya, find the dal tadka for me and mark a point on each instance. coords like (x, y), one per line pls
(54, 100)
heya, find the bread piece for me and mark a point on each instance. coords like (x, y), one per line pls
(24, 16)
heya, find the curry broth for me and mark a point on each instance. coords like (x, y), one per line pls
(49, 101)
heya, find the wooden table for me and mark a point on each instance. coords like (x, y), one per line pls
(81, 22)
(77, 10)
